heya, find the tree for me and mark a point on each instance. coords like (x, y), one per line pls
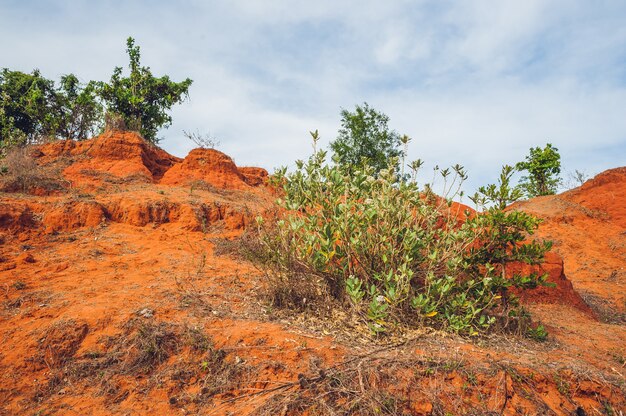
(505, 239)
(141, 99)
(31, 108)
(543, 167)
(576, 178)
(364, 134)
(26, 107)
(80, 111)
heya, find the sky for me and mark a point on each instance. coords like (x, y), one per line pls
(471, 82)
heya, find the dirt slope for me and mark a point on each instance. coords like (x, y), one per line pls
(588, 227)
(119, 297)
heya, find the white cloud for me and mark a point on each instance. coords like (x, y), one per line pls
(475, 82)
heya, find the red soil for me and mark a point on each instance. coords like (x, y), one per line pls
(563, 291)
(135, 244)
(121, 154)
(210, 166)
(588, 227)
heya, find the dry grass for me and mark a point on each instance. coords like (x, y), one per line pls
(141, 351)
(604, 309)
(59, 342)
(20, 172)
(106, 177)
(25, 301)
(291, 290)
(377, 383)
(230, 247)
(395, 381)
(114, 121)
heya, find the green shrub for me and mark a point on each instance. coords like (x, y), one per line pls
(33, 108)
(543, 167)
(394, 251)
(27, 104)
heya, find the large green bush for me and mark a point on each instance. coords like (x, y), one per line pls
(393, 250)
(27, 104)
(33, 108)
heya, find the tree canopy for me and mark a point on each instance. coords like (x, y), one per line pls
(365, 135)
(33, 107)
(142, 99)
(543, 167)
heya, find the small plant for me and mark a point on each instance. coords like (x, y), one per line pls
(619, 357)
(543, 167)
(608, 408)
(501, 240)
(562, 385)
(203, 141)
(538, 334)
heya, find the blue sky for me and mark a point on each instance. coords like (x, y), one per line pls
(472, 82)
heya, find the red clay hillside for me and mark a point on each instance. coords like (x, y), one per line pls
(122, 293)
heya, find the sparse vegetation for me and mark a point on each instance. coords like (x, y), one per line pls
(605, 310)
(19, 285)
(20, 172)
(139, 351)
(576, 178)
(368, 385)
(538, 333)
(150, 345)
(203, 141)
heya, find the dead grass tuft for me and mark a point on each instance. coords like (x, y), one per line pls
(292, 289)
(59, 342)
(141, 352)
(20, 172)
(604, 309)
(147, 343)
